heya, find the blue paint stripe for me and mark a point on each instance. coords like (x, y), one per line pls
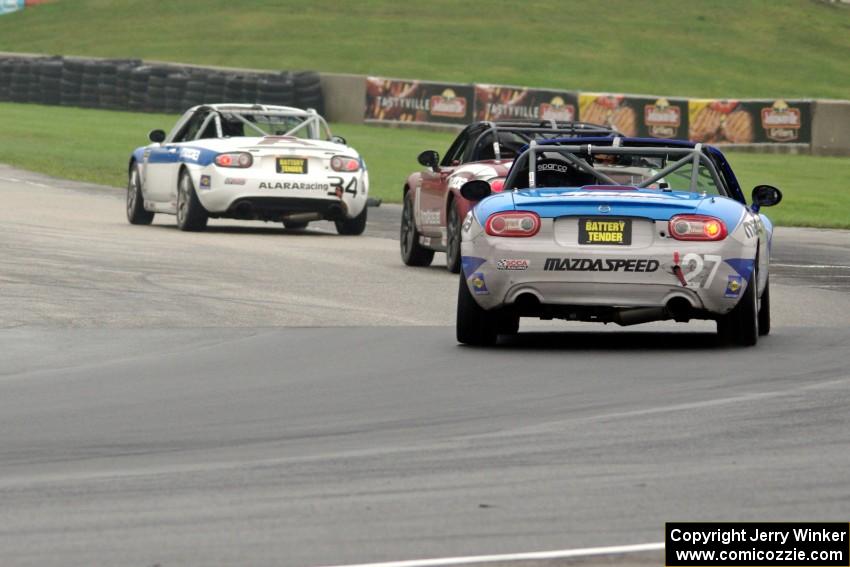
(470, 264)
(744, 266)
(185, 154)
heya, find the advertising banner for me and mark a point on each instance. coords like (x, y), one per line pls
(396, 100)
(500, 102)
(643, 116)
(7, 6)
(750, 121)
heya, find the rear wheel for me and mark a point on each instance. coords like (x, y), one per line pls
(136, 212)
(475, 326)
(741, 325)
(352, 227)
(764, 310)
(508, 322)
(191, 215)
(452, 239)
(412, 253)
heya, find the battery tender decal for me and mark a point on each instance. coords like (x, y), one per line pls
(605, 231)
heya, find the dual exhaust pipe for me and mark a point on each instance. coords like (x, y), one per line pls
(678, 309)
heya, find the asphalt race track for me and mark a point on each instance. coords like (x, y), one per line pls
(253, 396)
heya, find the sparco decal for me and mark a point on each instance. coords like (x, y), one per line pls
(781, 122)
(599, 265)
(294, 185)
(548, 166)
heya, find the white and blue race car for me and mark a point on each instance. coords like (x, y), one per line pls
(622, 230)
(252, 162)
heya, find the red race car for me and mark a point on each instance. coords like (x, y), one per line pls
(433, 206)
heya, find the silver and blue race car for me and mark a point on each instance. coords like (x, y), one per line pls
(616, 230)
(251, 162)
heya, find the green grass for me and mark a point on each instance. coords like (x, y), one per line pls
(718, 48)
(816, 190)
(94, 146)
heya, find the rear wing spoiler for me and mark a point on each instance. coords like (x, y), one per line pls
(573, 154)
(529, 130)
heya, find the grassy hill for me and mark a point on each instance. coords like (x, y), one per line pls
(723, 48)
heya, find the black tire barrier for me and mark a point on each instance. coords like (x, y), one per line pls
(130, 84)
(51, 68)
(306, 79)
(156, 81)
(5, 78)
(71, 78)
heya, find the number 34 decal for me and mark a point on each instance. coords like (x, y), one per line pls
(699, 270)
(337, 186)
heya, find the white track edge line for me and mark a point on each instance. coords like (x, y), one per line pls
(811, 266)
(557, 554)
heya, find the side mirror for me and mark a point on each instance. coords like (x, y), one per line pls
(339, 140)
(157, 136)
(765, 196)
(430, 158)
(475, 190)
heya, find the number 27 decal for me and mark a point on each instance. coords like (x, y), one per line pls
(699, 270)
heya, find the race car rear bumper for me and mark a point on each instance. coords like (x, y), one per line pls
(249, 194)
(277, 208)
(707, 278)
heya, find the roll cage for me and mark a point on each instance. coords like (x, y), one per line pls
(533, 130)
(214, 127)
(577, 151)
(474, 136)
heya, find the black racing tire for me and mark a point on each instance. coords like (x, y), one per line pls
(741, 325)
(507, 322)
(295, 225)
(352, 227)
(191, 215)
(453, 225)
(136, 213)
(412, 253)
(764, 310)
(475, 326)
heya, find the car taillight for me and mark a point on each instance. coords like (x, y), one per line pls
(514, 224)
(234, 159)
(697, 227)
(497, 184)
(346, 164)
